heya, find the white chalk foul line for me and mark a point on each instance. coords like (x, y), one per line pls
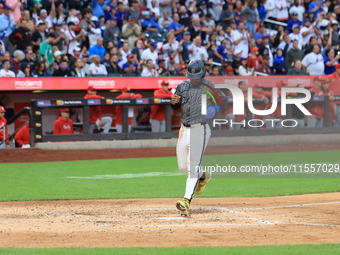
(287, 206)
(127, 176)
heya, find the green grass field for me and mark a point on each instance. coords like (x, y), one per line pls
(132, 178)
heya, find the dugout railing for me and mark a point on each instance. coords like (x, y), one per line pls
(36, 114)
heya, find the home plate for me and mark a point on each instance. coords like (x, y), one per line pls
(171, 218)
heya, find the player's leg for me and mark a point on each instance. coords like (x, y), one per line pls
(119, 128)
(199, 138)
(154, 125)
(182, 149)
(106, 122)
(231, 119)
(92, 127)
(162, 126)
(311, 122)
(319, 123)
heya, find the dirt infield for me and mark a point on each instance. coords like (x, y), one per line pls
(304, 219)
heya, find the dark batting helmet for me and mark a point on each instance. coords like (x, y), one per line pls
(195, 69)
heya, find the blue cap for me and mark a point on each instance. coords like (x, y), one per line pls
(6, 7)
(186, 33)
(112, 6)
(159, 61)
(112, 18)
(153, 44)
(203, 2)
(2, 53)
(146, 13)
(294, 14)
(58, 24)
(243, 59)
(307, 20)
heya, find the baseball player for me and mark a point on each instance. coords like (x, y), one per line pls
(63, 125)
(195, 131)
(126, 93)
(96, 118)
(3, 129)
(316, 108)
(22, 137)
(157, 116)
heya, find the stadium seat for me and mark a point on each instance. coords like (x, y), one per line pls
(129, 75)
(114, 75)
(98, 75)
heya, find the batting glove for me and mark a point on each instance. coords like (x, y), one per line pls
(211, 111)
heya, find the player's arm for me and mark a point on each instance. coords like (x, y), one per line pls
(56, 128)
(176, 99)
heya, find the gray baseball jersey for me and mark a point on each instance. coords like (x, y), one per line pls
(191, 100)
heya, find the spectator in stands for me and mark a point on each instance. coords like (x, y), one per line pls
(5, 72)
(185, 16)
(196, 30)
(46, 53)
(138, 49)
(315, 7)
(164, 18)
(16, 61)
(243, 69)
(126, 93)
(249, 16)
(106, 61)
(72, 38)
(60, 36)
(96, 68)
(281, 7)
(78, 70)
(294, 21)
(131, 66)
(279, 63)
(297, 68)
(298, 9)
(177, 28)
(157, 116)
(293, 54)
(312, 63)
(7, 25)
(25, 71)
(63, 70)
(58, 55)
(264, 67)
(331, 61)
(285, 45)
(165, 6)
(229, 71)
(133, 11)
(131, 31)
(41, 70)
(96, 118)
(335, 33)
(184, 46)
(73, 16)
(63, 125)
(120, 14)
(254, 60)
(296, 35)
(310, 46)
(162, 69)
(197, 51)
(22, 137)
(114, 67)
(150, 53)
(98, 49)
(93, 32)
(84, 23)
(29, 21)
(316, 108)
(38, 36)
(307, 31)
(29, 59)
(237, 61)
(260, 34)
(227, 15)
(112, 32)
(20, 37)
(242, 40)
(150, 70)
(99, 6)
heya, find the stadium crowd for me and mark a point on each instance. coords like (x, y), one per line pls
(78, 38)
